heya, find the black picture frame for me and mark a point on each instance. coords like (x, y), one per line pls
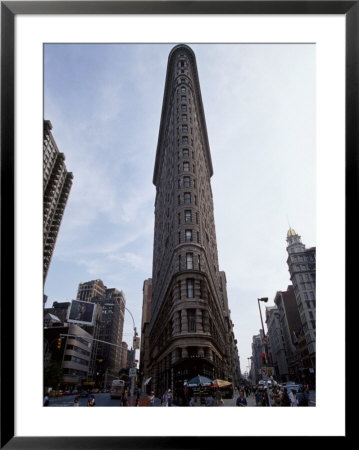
(9, 9)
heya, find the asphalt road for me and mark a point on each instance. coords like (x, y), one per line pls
(105, 400)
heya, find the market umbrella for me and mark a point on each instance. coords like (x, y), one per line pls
(199, 380)
(220, 383)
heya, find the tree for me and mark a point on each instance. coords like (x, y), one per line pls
(52, 374)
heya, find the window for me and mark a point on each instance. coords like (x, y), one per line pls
(179, 199)
(185, 140)
(183, 90)
(179, 262)
(183, 98)
(184, 128)
(191, 316)
(189, 260)
(188, 235)
(190, 288)
(184, 108)
(184, 117)
(179, 237)
(185, 153)
(188, 215)
(187, 198)
(186, 181)
(186, 166)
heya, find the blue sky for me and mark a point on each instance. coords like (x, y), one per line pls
(104, 102)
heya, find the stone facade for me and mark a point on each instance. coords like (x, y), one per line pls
(302, 268)
(188, 330)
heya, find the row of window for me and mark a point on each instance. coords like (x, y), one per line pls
(76, 360)
(77, 349)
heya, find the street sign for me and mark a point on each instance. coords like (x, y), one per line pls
(265, 341)
(132, 372)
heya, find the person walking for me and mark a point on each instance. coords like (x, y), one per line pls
(124, 399)
(218, 397)
(275, 396)
(306, 396)
(152, 399)
(209, 400)
(76, 401)
(258, 397)
(91, 400)
(293, 397)
(170, 397)
(46, 400)
(265, 398)
(165, 399)
(241, 400)
(285, 400)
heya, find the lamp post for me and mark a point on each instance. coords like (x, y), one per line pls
(133, 352)
(264, 339)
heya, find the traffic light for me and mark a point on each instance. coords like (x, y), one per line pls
(263, 359)
(59, 342)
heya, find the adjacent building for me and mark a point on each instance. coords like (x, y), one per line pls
(189, 326)
(106, 360)
(57, 182)
(290, 325)
(302, 268)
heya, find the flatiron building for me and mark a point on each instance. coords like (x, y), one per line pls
(190, 328)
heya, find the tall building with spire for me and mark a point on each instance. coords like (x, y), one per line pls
(189, 331)
(57, 183)
(302, 268)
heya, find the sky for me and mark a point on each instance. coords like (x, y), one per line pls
(104, 102)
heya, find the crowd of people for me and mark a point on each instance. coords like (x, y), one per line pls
(279, 396)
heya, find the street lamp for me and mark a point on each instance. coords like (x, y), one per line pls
(133, 351)
(264, 340)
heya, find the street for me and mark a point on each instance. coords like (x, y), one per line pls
(103, 399)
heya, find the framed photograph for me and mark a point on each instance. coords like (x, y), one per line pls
(34, 38)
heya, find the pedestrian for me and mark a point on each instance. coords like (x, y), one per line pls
(306, 396)
(191, 402)
(275, 396)
(170, 397)
(165, 399)
(152, 399)
(265, 398)
(218, 397)
(91, 400)
(285, 400)
(241, 400)
(76, 401)
(209, 400)
(293, 397)
(258, 397)
(46, 400)
(124, 398)
(139, 392)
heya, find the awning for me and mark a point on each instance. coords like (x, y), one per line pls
(147, 381)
